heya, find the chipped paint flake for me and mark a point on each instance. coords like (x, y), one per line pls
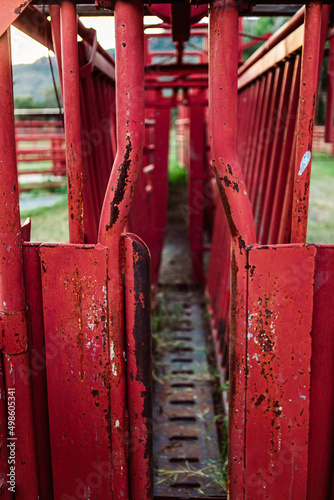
(304, 163)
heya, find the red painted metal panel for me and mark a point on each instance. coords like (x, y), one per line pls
(279, 344)
(137, 290)
(79, 365)
(117, 203)
(321, 448)
(10, 11)
(33, 285)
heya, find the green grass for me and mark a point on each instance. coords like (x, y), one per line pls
(24, 166)
(49, 224)
(321, 209)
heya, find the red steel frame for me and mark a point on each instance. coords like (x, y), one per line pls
(266, 285)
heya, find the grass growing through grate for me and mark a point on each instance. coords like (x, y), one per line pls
(211, 473)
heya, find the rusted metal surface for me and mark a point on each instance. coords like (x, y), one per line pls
(223, 101)
(116, 206)
(137, 284)
(321, 438)
(130, 120)
(70, 74)
(14, 341)
(10, 11)
(79, 383)
(34, 23)
(38, 365)
(279, 348)
(185, 446)
(223, 63)
(306, 111)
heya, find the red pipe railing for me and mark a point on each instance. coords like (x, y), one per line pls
(70, 65)
(119, 194)
(14, 343)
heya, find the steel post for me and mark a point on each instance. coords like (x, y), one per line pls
(71, 99)
(12, 292)
(306, 111)
(119, 194)
(223, 74)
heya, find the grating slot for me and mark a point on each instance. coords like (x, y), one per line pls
(182, 372)
(182, 419)
(183, 438)
(182, 360)
(185, 323)
(183, 349)
(186, 485)
(182, 402)
(184, 328)
(183, 384)
(183, 460)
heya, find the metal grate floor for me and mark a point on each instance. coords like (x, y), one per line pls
(187, 462)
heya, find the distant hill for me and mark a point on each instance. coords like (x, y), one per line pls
(33, 86)
(33, 83)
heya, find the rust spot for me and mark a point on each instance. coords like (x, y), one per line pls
(121, 185)
(227, 181)
(259, 401)
(19, 9)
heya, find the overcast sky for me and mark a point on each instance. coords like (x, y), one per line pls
(25, 50)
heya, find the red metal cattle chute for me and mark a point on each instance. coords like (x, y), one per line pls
(274, 363)
(75, 317)
(75, 381)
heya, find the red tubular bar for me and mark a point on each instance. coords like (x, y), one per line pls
(277, 37)
(306, 110)
(12, 291)
(223, 74)
(116, 206)
(56, 38)
(137, 284)
(223, 101)
(196, 191)
(70, 65)
(330, 94)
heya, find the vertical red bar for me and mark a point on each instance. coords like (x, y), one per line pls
(71, 100)
(223, 71)
(12, 294)
(196, 191)
(306, 110)
(137, 292)
(115, 210)
(55, 29)
(160, 182)
(330, 94)
(287, 153)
